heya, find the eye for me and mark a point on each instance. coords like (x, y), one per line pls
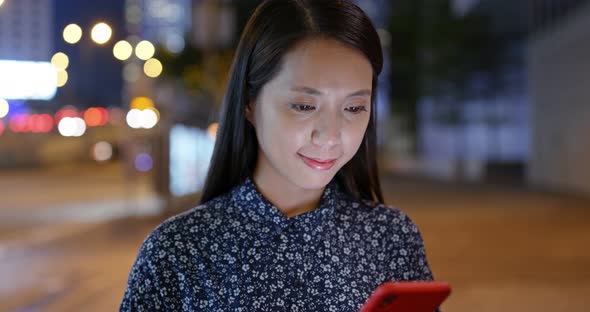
(302, 107)
(356, 109)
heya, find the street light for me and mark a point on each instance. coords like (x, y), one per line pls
(152, 68)
(4, 107)
(62, 77)
(60, 60)
(145, 50)
(101, 33)
(122, 50)
(72, 33)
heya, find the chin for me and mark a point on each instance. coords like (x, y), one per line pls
(315, 180)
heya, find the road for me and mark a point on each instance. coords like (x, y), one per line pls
(502, 249)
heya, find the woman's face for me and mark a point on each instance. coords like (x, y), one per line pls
(311, 118)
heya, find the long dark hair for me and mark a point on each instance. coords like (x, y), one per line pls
(274, 28)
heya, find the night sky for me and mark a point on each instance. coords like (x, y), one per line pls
(94, 74)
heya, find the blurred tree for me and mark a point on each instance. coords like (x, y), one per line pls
(204, 72)
(439, 54)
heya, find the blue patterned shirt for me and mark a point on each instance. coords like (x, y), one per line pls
(238, 252)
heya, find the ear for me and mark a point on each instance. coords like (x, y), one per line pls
(249, 112)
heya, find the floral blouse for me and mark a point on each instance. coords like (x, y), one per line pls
(238, 252)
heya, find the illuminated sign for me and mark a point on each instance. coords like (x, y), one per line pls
(190, 153)
(20, 80)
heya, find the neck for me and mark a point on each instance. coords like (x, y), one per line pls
(290, 199)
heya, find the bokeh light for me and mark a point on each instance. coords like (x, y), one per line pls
(143, 118)
(62, 77)
(212, 130)
(134, 118)
(4, 108)
(67, 111)
(60, 60)
(141, 102)
(152, 68)
(102, 151)
(175, 43)
(2, 127)
(71, 127)
(96, 116)
(101, 33)
(19, 123)
(143, 162)
(150, 118)
(40, 123)
(144, 50)
(122, 50)
(72, 33)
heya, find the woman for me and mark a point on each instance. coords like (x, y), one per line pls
(292, 216)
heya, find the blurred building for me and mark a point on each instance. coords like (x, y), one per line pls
(559, 71)
(162, 22)
(26, 28)
(483, 138)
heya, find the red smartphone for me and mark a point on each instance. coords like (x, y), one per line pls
(416, 296)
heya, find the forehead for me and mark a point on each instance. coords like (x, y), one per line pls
(325, 64)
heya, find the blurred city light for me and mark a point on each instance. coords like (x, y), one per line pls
(175, 43)
(143, 162)
(144, 50)
(96, 116)
(150, 118)
(134, 118)
(19, 123)
(212, 130)
(190, 155)
(2, 127)
(101, 33)
(131, 72)
(62, 78)
(122, 50)
(71, 127)
(67, 111)
(4, 108)
(72, 33)
(141, 102)
(60, 60)
(40, 123)
(102, 151)
(155, 111)
(142, 118)
(27, 80)
(152, 68)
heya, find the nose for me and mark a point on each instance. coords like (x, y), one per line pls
(327, 130)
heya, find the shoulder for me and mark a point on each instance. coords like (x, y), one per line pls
(368, 212)
(187, 230)
(378, 220)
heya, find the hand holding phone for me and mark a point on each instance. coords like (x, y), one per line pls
(418, 296)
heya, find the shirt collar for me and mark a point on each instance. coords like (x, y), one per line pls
(270, 220)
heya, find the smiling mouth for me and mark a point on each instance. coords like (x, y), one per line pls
(318, 164)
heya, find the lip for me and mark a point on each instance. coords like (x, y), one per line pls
(318, 164)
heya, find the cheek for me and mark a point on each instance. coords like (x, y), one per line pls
(352, 137)
(280, 135)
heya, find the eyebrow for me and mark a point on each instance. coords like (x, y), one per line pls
(312, 91)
